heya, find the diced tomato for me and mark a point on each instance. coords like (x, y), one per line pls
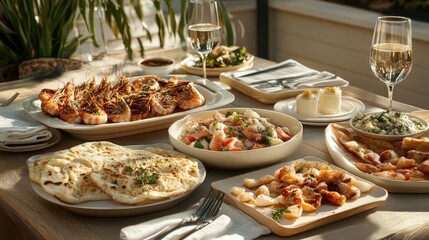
(191, 139)
(228, 141)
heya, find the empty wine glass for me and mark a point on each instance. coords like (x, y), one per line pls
(391, 51)
(204, 31)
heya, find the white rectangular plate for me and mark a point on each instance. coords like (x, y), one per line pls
(325, 214)
(215, 97)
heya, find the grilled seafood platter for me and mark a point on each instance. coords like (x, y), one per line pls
(123, 101)
(299, 188)
(403, 160)
(299, 195)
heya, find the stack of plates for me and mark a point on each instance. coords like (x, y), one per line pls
(349, 108)
(20, 133)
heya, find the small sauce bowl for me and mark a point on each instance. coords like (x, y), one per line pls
(157, 65)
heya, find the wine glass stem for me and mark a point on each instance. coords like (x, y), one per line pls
(203, 58)
(390, 95)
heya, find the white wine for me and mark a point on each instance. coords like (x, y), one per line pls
(391, 62)
(204, 37)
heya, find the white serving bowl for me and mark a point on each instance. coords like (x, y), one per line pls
(157, 65)
(246, 158)
(393, 137)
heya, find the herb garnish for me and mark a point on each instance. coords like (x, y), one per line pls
(278, 213)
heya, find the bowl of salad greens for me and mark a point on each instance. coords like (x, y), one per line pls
(221, 59)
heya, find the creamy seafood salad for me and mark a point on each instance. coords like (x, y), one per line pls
(233, 131)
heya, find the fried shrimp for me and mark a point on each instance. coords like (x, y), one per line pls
(92, 113)
(117, 110)
(126, 100)
(163, 104)
(139, 106)
(69, 112)
(188, 97)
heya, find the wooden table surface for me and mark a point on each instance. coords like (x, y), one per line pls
(25, 215)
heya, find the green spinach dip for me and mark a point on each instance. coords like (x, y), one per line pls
(388, 123)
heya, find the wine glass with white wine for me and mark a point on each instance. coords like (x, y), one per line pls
(204, 30)
(391, 55)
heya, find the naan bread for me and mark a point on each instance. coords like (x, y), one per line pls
(147, 179)
(101, 170)
(166, 152)
(65, 174)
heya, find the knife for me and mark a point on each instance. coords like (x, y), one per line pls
(276, 81)
(264, 69)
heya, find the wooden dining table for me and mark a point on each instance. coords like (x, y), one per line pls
(25, 215)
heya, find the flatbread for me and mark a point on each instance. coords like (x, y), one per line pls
(147, 179)
(166, 152)
(65, 174)
(95, 171)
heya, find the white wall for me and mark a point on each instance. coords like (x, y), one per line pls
(337, 38)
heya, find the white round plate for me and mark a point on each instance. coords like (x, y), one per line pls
(56, 136)
(108, 208)
(188, 66)
(349, 107)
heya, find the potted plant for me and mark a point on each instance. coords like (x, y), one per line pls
(34, 30)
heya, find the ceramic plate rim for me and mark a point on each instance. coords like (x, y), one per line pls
(86, 208)
(336, 150)
(358, 107)
(372, 199)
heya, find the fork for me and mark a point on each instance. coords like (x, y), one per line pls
(320, 78)
(202, 215)
(10, 100)
(207, 219)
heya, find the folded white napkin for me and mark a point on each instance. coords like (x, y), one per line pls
(289, 68)
(230, 224)
(16, 130)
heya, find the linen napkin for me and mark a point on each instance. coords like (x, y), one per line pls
(16, 131)
(230, 224)
(286, 69)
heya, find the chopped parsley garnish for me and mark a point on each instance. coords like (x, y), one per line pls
(139, 171)
(148, 179)
(236, 119)
(266, 140)
(278, 213)
(127, 170)
(208, 138)
(198, 144)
